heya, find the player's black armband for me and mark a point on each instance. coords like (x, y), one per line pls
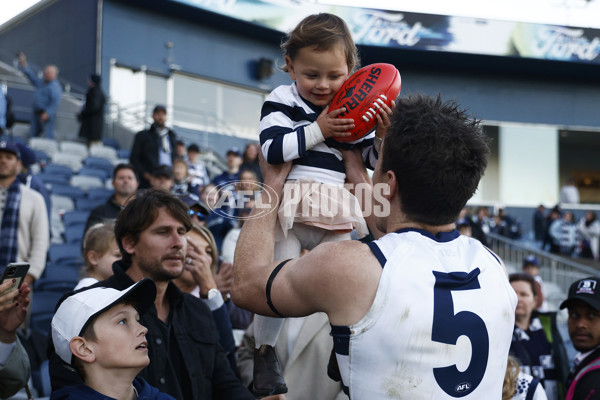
(268, 288)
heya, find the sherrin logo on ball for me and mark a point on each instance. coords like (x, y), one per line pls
(363, 94)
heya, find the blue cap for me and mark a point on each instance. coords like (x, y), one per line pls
(11, 148)
(531, 260)
(27, 155)
(234, 150)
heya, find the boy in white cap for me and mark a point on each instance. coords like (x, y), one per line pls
(97, 332)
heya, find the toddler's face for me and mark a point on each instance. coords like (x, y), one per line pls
(318, 74)
(104, 264)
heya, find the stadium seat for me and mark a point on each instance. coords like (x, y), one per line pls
(75, 217)
(41, 380)
(50, 146)
(65, 253)
(68, 191)
(99, 193)
(74, 233)
(56, 169)
(104, 152)
(51, 179)
(76, 148)
(86, 182)
(41, 157)
(61, 203)
(99, 163)
(75, 161)
(58, 278)
(88, 204)
(123, 153)
(111, 142)
(99, 173)
(42, 309)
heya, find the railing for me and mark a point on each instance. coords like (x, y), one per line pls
(556, 269)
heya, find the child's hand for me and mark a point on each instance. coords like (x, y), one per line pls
(383, 119)
(330, 125)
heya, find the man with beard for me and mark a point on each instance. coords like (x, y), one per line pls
(186, 359)
(125, 183)
(584, 329)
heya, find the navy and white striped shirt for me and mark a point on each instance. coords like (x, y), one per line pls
(288, 131)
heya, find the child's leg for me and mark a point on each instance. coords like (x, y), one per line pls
(267, 329)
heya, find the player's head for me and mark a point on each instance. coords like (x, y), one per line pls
(584, 313)
(99, 328)
(437, 153)
(322, 32)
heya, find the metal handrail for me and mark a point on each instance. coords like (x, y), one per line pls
(559, 270)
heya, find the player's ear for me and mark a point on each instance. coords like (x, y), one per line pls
(393, 184)
(290, 67)
(82, 349)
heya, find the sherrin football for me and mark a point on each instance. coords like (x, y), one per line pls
(363, 93)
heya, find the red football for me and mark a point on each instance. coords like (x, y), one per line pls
(363, 93)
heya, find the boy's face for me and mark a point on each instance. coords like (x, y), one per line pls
(120, 339)
(318, 74)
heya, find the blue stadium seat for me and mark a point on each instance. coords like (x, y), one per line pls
(58, 169)
(99, 163)
(68, 191)
(42, 309)
(41, 380)
(111, 142)
(124, 153)
(75, 217)
(88, 204)
(90, 171)
(99, 193)
(53, 179)
(74, 233)
(41, 157)
(65, 253)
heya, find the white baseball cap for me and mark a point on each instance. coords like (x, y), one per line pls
(76, 311)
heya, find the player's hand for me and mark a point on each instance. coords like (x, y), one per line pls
(384, 119)
(12, 313)
(274, 175)
(354, 165)
(198, 262)
(330, 125)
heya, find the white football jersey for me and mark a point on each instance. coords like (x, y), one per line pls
(440, 326)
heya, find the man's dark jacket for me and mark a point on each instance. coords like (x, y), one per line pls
(92, 115)
(208, 369)
(144, 153)
(106, 211)
(588, 387)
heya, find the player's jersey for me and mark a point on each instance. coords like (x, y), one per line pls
(440, 326)
(284, 116)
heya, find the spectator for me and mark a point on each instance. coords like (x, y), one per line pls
(162, 178)
(536, 341)
(23, 217)
(3, 109)
(125, 184)
(180, 151)
(539, 223)
(197, 209)
(234, 161)
(14, 362)
(589, 229)
(519, 385)
(98, 332)
(92, 114)
(473, 230)
(196, 169)
(182, 184)
(199, 278)
(553, 216)
(531, 266)
(99, 252)
(564, 234)
(569, 194)
(28, 178)
(46, 98)
(186, 359)
(482, 219)
(303, 350)
(250, 159)
(153, 147)
(583, 303)
(219, 221)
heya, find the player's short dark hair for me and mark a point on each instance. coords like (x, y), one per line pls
(519, 276)
(438, 154)
(321, 31)
(121, 166)
(141, 212)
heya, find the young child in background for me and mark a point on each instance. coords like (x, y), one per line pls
(100, 251)
(97, 332)
(296, 125)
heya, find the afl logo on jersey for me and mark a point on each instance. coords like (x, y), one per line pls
(463, 387)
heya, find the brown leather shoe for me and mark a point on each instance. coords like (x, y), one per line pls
(267, 373)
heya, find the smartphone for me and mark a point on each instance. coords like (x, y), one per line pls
(16, 271)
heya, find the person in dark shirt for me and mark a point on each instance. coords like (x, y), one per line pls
(186, 359)
(125, 184)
